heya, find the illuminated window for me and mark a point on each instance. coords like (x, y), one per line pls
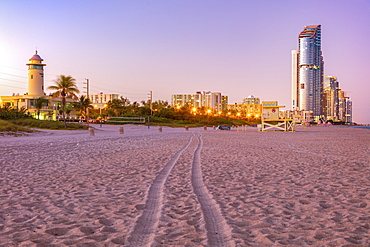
(35, 67)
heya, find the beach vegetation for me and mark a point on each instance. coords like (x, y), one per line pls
(14, 121)
(65, 87)
(43, 124)
(8, 112)
(194, 122)
(9, 128)
(39, 103)
(118, 107)
(161, 113)
(26, 125)
(82, 105)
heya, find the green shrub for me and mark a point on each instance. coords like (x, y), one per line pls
(44, 124)
(6, 126)
(8, 112)
(160, 120)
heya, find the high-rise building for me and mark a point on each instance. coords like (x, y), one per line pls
(102, 98)
(192, 100)
(224, 102)
(295, 80)
(251, 100)
(307, 72)
(348, 114)
(214, 101)
(344, 107)
(330, 100)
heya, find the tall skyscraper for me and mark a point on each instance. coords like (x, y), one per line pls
(307, 72)
(330, 103)
(345, 107)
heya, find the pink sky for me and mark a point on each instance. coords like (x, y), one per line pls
(236, 47)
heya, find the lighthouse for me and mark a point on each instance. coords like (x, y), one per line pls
(35, 75)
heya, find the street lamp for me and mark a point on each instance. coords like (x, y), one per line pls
(194, 110)
(104, 106)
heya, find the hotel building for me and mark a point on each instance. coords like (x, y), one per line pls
(330, 100)
(336, 106)
(35, 91)
(100, 100)
(345, 107)
(251, 100)
(307, 72)
(209, 100)
(251, 107)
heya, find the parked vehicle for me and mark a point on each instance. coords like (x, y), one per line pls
(224, 127)
(96, 120)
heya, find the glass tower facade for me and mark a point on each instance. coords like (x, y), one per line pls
(308, 85)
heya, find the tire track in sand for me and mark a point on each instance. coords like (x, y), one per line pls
(218, 232)
(143, 232)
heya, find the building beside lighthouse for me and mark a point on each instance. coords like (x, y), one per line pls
(36, 89)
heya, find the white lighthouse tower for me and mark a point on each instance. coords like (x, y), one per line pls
(36, 75)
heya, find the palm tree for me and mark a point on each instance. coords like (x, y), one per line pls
(118, 107)
(134, 106)
(39, 103)
(65, 86)
(159, 105)
(68, 111)
(125, 101)
(115, 106)
(83, 104)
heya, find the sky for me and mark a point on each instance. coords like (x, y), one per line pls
(236, 47)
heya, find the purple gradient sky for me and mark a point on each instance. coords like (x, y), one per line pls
(236, 47)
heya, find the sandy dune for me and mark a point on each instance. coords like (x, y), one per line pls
(186, 188)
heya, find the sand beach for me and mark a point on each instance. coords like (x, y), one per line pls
(186, 188)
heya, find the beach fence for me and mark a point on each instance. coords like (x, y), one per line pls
(91, 131)
(126, 120)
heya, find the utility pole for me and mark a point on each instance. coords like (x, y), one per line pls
(87, 94)
(151, 102)
(87, 88)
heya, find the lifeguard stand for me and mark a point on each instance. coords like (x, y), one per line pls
(270, 119)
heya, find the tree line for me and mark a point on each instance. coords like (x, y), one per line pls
(65, 87)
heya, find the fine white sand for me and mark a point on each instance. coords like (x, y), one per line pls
(186, 188)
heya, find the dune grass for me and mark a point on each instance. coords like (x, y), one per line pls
(195, 122)
(18, 127)
(44, 124)
(9, 128)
